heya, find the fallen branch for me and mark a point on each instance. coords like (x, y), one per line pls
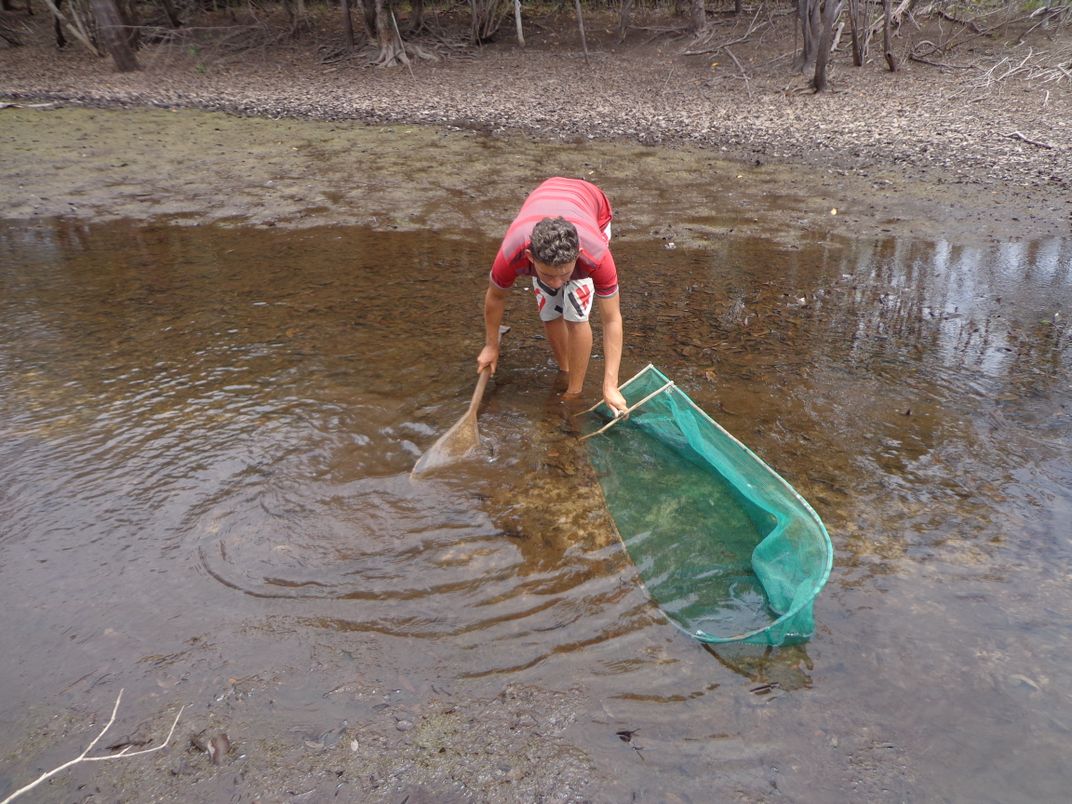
(895, 19)
(901, 11)
(740, 67)
(942, 64)
(980, 32)
(675, 31)
(751, 29)
(966, 23)
(1040, 67)
(1016, 135)
(125, 753)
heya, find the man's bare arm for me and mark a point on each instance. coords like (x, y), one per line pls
(610, 314)
(494, 306)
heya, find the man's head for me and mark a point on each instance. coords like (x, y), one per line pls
(553, 249)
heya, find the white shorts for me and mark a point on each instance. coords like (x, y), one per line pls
(572, 301)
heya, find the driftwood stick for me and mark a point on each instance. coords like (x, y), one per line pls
(84, 758)
(1016, 135)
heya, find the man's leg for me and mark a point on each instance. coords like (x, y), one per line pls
(558, 337)
(576, 309)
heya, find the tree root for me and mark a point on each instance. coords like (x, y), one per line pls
(397, 54)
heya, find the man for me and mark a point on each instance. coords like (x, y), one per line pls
(560, 238)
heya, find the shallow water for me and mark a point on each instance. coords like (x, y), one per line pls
(205, 498)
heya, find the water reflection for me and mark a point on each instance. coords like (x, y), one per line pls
(223, 421)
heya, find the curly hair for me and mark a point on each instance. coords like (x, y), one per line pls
(554, 241)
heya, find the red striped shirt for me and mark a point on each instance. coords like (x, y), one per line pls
(582, 204)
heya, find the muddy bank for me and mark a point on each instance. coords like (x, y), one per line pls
(203, 167)
(939, 149)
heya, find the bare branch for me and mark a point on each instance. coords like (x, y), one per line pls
(84, 758)
(751, 29)
(76, 29)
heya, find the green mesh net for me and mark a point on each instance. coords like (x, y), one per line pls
(725, 546)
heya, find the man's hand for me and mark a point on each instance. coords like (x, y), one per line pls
(488, 357)
(614, 399)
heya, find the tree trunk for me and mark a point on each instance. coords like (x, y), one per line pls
(347, 24)
(368, 17)
(697, 16)
(580, 24)
(288, 6)
(128, 13)
(171, 14)
(887, 47)
(854, 32)
(416, 20)
(388, 37)
(517, 23)
(383, 28)
(57, 24)
(831, 8)
(623, 19)
(808, 13)
(114, 35)
(486, 17)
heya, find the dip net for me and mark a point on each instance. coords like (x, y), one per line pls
(727, 548)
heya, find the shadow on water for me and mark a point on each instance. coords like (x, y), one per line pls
(208, 433)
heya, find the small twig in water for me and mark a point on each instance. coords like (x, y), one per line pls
(125, 753)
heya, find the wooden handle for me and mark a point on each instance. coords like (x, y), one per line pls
(482, 383)
(478, 394)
